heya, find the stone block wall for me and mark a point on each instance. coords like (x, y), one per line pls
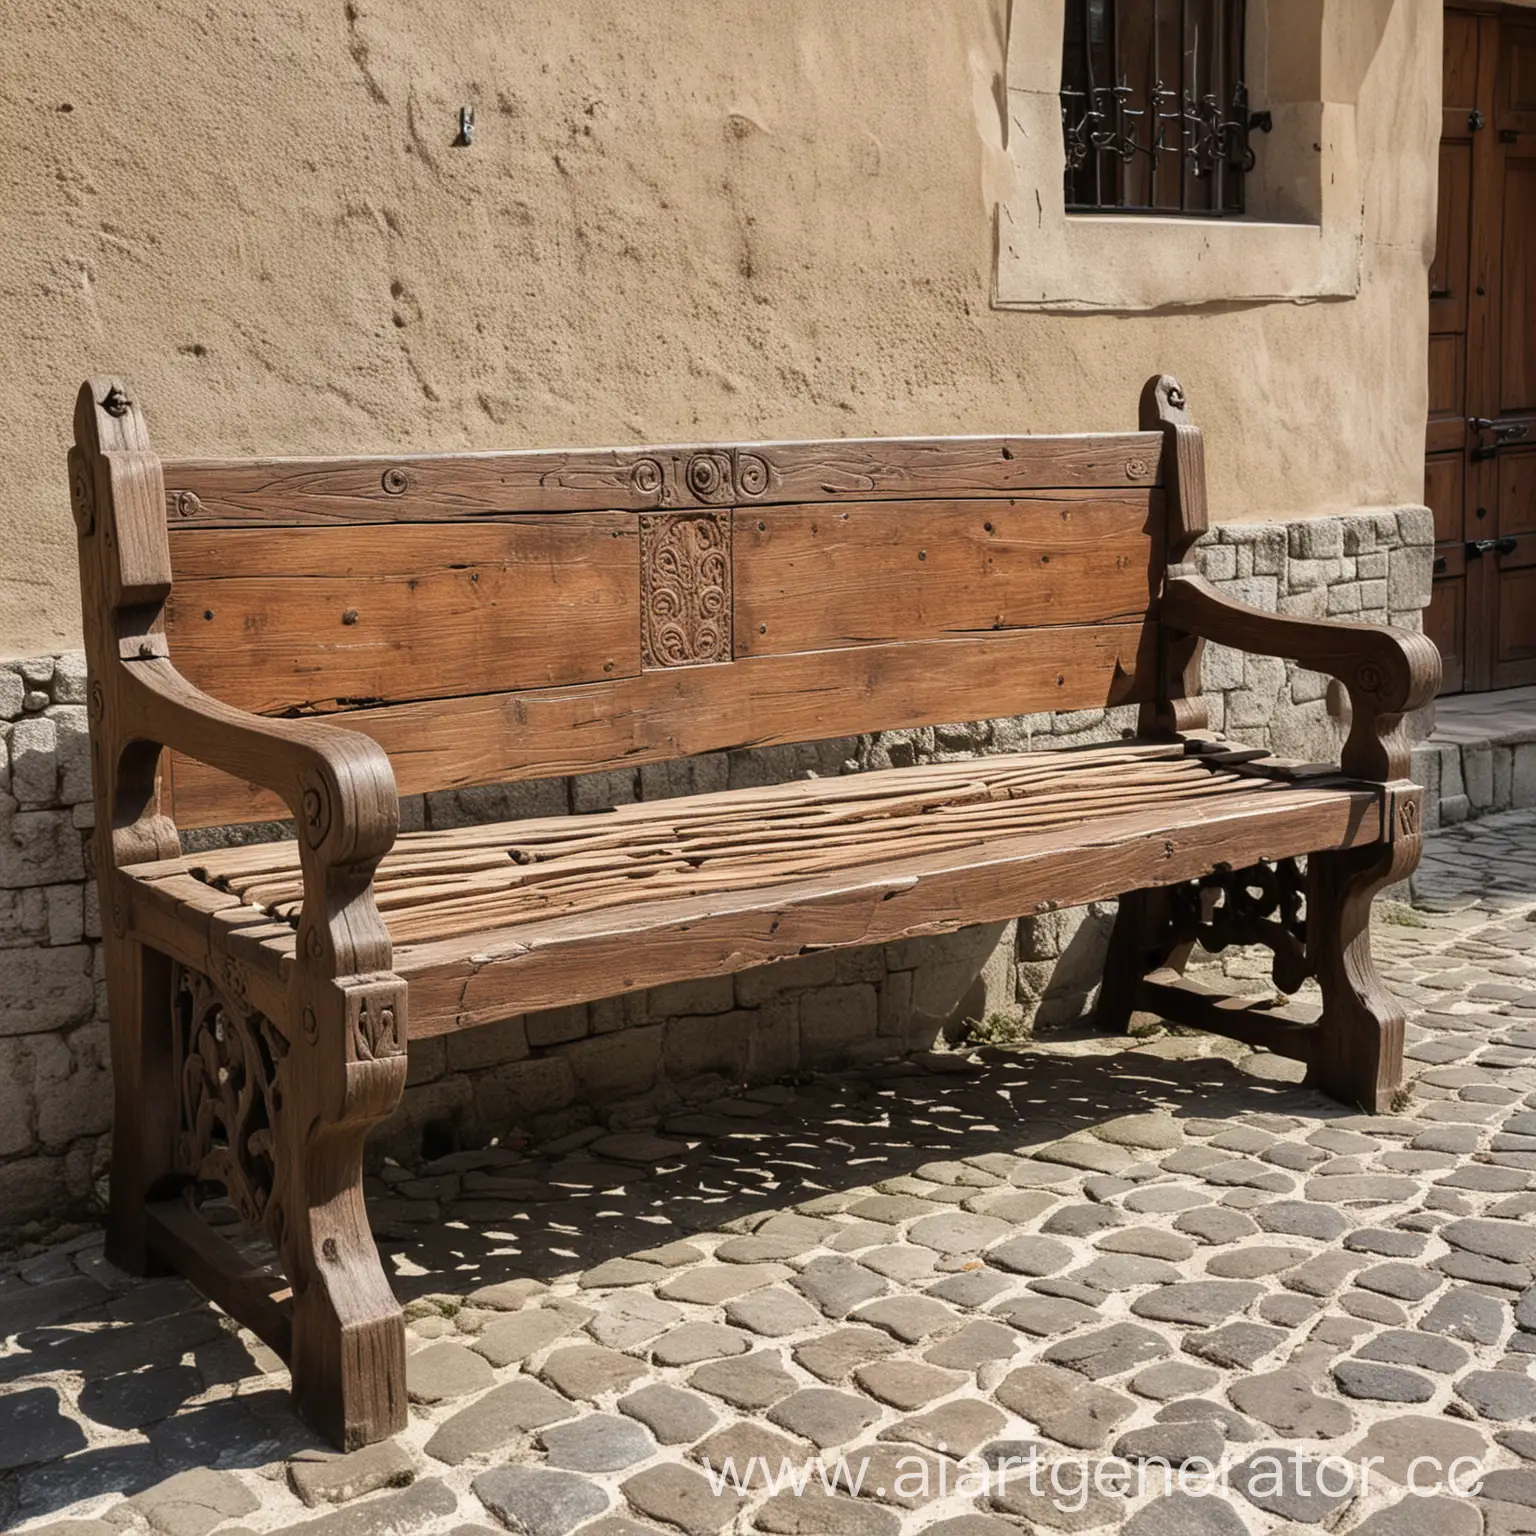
(1466, 779)
(55, 1076)
(629, 1060)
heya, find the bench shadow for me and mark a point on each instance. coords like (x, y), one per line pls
(837, 1134)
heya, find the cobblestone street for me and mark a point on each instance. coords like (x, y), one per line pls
(1132, 1248)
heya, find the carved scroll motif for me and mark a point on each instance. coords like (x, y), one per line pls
(1264, 904)
(229, 1057)
(713, 477)
(685, 566)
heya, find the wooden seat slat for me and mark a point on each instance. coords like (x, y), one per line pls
(622, 943)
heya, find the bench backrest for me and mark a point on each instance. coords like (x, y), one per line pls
(491, 617)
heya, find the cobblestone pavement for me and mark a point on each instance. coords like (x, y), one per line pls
(1101, 1248)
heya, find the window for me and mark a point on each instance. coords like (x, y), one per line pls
(1154, 107)
(1303, 235)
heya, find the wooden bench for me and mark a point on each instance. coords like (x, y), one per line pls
(479, 618)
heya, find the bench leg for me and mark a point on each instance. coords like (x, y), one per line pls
(348, 1362)
(139, 993)
(348, 1330)
(1142, 941)
(343, 1073)
(1359, 1051)
(276, 1112)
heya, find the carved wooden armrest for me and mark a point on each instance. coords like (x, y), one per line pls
(338, 784)
(1387, 671)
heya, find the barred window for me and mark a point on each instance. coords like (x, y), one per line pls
(1154, 107)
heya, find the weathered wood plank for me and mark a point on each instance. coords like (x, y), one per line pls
(434, 487)
(1019, 771)
(676, 712)
(315, 619)
(261, 1301)
(813, 577)
(1285, 1030)
(174, 916)
(437, 903)
(459, 983)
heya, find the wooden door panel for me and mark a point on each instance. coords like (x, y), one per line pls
(1450, 274)
(1517, 491)
(1517, 75)
(1514, 565)
(1447, 391)
(1483, 353)
(1447, 375)
(1516, 664)
(1444, 478)
(1446, 617)
(1517, 328)
(1460, 73)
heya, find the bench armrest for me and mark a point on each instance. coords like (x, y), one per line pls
(1387, 671)
(338, 784)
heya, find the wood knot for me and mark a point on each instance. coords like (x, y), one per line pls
(395, 481)
(115, 403)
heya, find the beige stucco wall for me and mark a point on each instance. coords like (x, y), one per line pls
(679, 218)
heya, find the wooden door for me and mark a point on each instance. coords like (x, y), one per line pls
(1506, 385)
(1480, 464)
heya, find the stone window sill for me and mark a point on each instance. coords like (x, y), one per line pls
(1116, 262)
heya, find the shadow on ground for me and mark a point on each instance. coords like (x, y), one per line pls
(158, 1345)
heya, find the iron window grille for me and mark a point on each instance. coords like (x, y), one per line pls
(1154, 107)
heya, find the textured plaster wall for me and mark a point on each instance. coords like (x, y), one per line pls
(678, 219)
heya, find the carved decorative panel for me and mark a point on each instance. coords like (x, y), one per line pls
(375, 1019)
(716, 477)
(1264, 904)
(685, 573)
(228, 1056)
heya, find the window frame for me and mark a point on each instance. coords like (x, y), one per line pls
(1301, 238)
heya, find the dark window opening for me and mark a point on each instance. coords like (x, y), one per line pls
(1154, 107)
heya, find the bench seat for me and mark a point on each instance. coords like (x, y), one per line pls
(494, 920)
